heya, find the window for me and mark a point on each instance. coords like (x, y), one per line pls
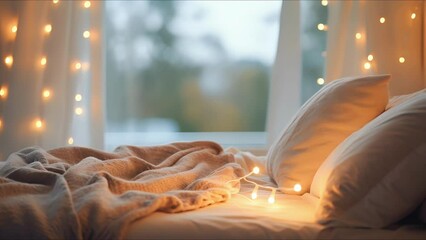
(188, 70)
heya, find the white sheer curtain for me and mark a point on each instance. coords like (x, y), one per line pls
(392, 32)
(51, 74)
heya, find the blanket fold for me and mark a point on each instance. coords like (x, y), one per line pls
(84, 193)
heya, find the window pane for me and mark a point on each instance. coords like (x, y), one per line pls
(189, 66)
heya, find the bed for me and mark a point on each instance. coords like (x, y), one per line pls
(356, 157)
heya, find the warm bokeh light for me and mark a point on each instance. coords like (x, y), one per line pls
(358, 35)
(254, 193)
(78, 111)
(370, 57)
(14, 29)
(271, 198)
(38, 123)
(401, 59)
(78, 97)
(87, 4)
(324, 3)
(77, 65)
(413, 16)
(382, 20)
(8, 61)
(43, 61)
(322, 27)
(3, 92)
(256, 170)
(367, 65)
(55, 1)
(47, 28)
(320, 81)
(86, 34)
(46, 94)
(297, 187)
(70, 141)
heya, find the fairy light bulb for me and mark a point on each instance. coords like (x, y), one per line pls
(86, 34)
(47, 28)
(55, 1)
(254, 193)
(382, 20)
(322, 27)
(320, 81)
(271, 198)
(3, 92)
(367, 65)
(78, 111)
(38, 123)
(8, 61)
(297, 187)
(46, 94)
(87, 4)
(78, 97)
(370, 57)
(43, 61)
(401, 60)
(358, 35)
(14, 28)
(256, 170)
(77, 65)
(324, 3)
(413, 16)
(70, 141)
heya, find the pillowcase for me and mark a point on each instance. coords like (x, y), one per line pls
(327, 118)
(396, 100)
(377, 175)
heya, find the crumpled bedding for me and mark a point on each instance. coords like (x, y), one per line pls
(83, 193)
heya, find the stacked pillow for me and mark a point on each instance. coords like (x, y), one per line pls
(330, 116)
(376, 176)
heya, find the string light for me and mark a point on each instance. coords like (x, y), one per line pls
(320, 81)
(78, 97)
(43, 61)
(3, 92)
(370, 57)
(358, 35)
(87, 4)
(367, 65)
(70, 141)
(86, 34)
(47, 28)
(382, 20)
(38, 123)
(8, 61)
(77, 65)
(401, 59)
(413, 16)
(55, 1)
(322, 27)
(271, 198)
(324, 3)
(78, 111)
(14, 28)
(297, 187)
(254, 193)
(46, 94)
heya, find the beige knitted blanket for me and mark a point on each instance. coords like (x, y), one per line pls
(82, 193)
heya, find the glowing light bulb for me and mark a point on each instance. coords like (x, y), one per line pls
(256, 170)
(78, 111)
(367, 65)
(324, 3)
(87, 4)
(14, 28)
(77, 65)
(78, 97)
(401, 59)
(3, 92)
(297, 187)
(43, 61)
(370, 57)
(47, 28)
(413, 16)
(320, 81)
(86, 34)
(271, 198)
(70, 141)
(382, 20)
(254, 193)
(55, 1)
(46, 94)
(358, 35)
(8, 61)
(322, 27)
(38, 123)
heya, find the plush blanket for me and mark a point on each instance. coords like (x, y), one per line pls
(82, 193)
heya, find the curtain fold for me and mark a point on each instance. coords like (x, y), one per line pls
(55, 83)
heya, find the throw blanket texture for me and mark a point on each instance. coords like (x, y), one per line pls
(82, 193)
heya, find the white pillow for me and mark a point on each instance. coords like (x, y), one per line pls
(376, 176)
(327, 118)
